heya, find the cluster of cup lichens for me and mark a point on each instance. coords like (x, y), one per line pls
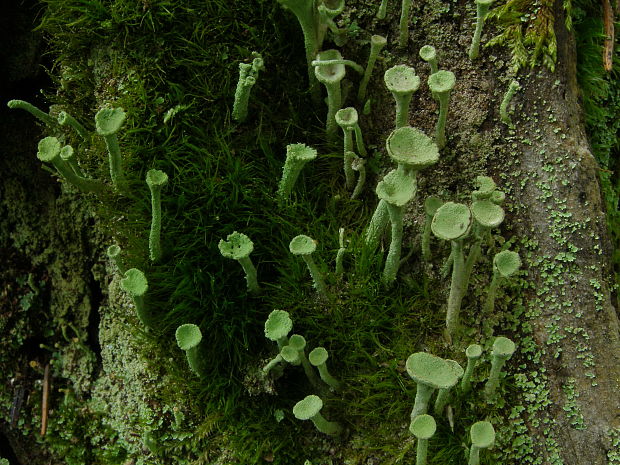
(108, 123)
(432, 373)
(462, 225)
(292, 351)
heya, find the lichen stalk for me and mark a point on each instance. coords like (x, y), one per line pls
(306, 14)
(421, 451)
(377, 225)
(474, 455)
(65, 118)
(325, 426)
(251, 277)
(377, 43)
(513, 87)
(403, 36)
(469, 371)
(34, 111)
(156, 180)
(272, 364)
(115, 159)
(426, 239)
(359, 141)
(392, 261)
(402, 109)
(334, 102)
(440, 402)
(422, 397)
(84, 184)
(359, 166)
(382, 11)
(340, 253)
(482, 8)
(349, 173)
(440, 130)
(489, 303)
(242, 93)
(497, 363)
(456, 288)
(317, 277)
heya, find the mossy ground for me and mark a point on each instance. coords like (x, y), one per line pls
(158, 59)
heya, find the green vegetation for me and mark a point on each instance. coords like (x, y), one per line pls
(172, 67)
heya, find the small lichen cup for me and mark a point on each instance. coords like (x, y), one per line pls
(473, 354)
(297, 155)
(452, 223)
(49, 151)
(396, 190)
(503, 348)
(505, 265)
(277, 327)
(318, 358)
(429, 54)
(156, 180)
(430, 373)
(108, 121)
(441, 84)
(238, 246)
(136, 285)
(188, 337)
(402, 82)
(331, 76)
(304, 246)
(423, 427)
(482, 436)
(310, 409)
